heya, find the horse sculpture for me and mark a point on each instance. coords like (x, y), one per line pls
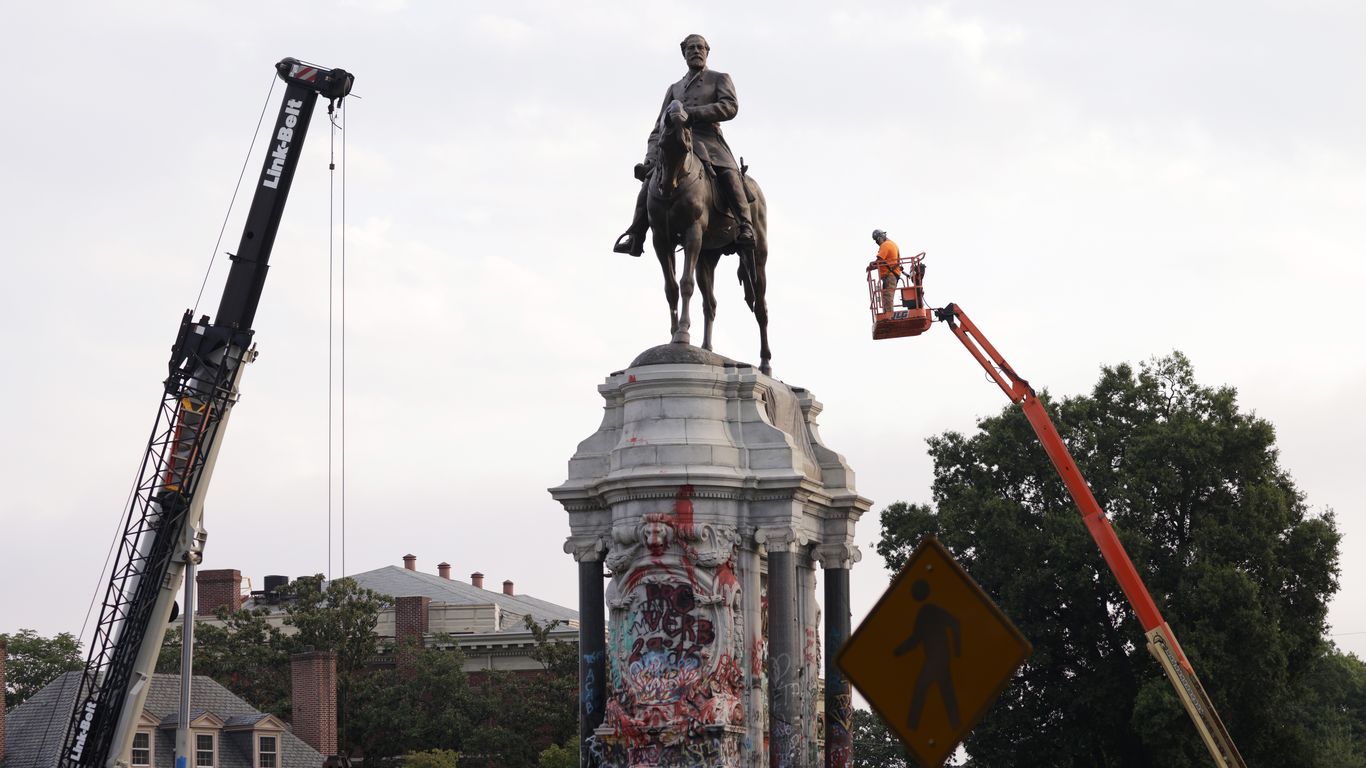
(686, 208)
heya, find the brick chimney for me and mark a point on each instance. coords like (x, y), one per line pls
(410, 562)
(443, 570)
(314, 676)
(218, 588)
(410, 619)
(4, 657)
(507, 587)
(477, 579)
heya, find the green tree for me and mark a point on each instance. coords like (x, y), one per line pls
(875, 746)
(559, 756)
(340, 618)
(1229, 550)
(554, 694)
(419, 703)
(248, 655)
(34, 661)
(432, 758)
(516, 715)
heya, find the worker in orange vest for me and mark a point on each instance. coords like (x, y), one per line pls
(888, 267)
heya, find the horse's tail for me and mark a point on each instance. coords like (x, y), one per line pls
(747, 275)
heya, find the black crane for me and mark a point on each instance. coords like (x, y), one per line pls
(162, 531)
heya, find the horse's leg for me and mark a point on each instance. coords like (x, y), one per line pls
(761, 311)
(760, 306)
(692, 245)
(706, 281)
(665, 252)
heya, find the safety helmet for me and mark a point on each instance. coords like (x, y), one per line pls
(879, 233)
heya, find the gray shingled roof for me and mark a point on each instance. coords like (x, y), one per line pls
(400, 582)
(34, 729)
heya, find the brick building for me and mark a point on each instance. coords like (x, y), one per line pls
(487, 625)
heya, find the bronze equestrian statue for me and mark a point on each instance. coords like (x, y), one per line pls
(694, 194)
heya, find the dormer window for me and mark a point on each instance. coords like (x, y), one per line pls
(203, 750)
(267, 752)
(142, 749)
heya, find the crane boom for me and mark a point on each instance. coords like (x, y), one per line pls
(1161, 640)
(162, 531)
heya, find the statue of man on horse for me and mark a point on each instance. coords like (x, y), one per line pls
(709, 98)
(695, 198)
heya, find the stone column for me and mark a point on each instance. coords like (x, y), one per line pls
(784, 649)
(839, 705)
(809, 673)
(751, 582)
(592, 646)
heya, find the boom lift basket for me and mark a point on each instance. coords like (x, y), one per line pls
(912, 317)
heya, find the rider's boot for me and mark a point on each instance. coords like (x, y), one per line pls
(632, 241)
(739, 203)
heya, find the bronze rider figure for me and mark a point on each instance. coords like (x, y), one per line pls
(709, 98)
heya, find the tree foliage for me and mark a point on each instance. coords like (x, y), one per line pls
(34, 661)
(1226, 545)
(249, 653)
(341, 618)
(559, 756)
(420, 703)
(432, 758)
(517, 714)
(875, 746)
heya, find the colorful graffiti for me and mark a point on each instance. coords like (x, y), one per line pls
(839, 746)
(676, 693)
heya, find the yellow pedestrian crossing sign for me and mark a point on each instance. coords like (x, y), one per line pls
(933, 654)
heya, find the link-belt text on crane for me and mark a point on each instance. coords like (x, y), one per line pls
(283, 137)
(87, 717)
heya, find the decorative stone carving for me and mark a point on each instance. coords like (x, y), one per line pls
(675, 642)
(837, 555)
(585, 548)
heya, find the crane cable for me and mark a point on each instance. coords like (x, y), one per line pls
(213, 254)
(337, 445)
(332, 322)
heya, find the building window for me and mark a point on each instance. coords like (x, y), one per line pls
(203, 750)
(268, 752)
(142, 748)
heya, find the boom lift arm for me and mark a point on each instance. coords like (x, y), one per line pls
(1161, 640)
(162, 531)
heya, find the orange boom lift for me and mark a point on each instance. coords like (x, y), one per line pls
(913, 318)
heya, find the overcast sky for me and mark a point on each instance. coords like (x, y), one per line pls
(1094, 185)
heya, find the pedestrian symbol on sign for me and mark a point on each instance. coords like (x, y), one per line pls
(932, 628)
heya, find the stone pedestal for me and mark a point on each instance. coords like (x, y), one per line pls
(709, 497)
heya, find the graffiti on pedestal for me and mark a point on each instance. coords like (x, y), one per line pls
(675, 691)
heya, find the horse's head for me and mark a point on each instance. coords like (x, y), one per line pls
(674, 126)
